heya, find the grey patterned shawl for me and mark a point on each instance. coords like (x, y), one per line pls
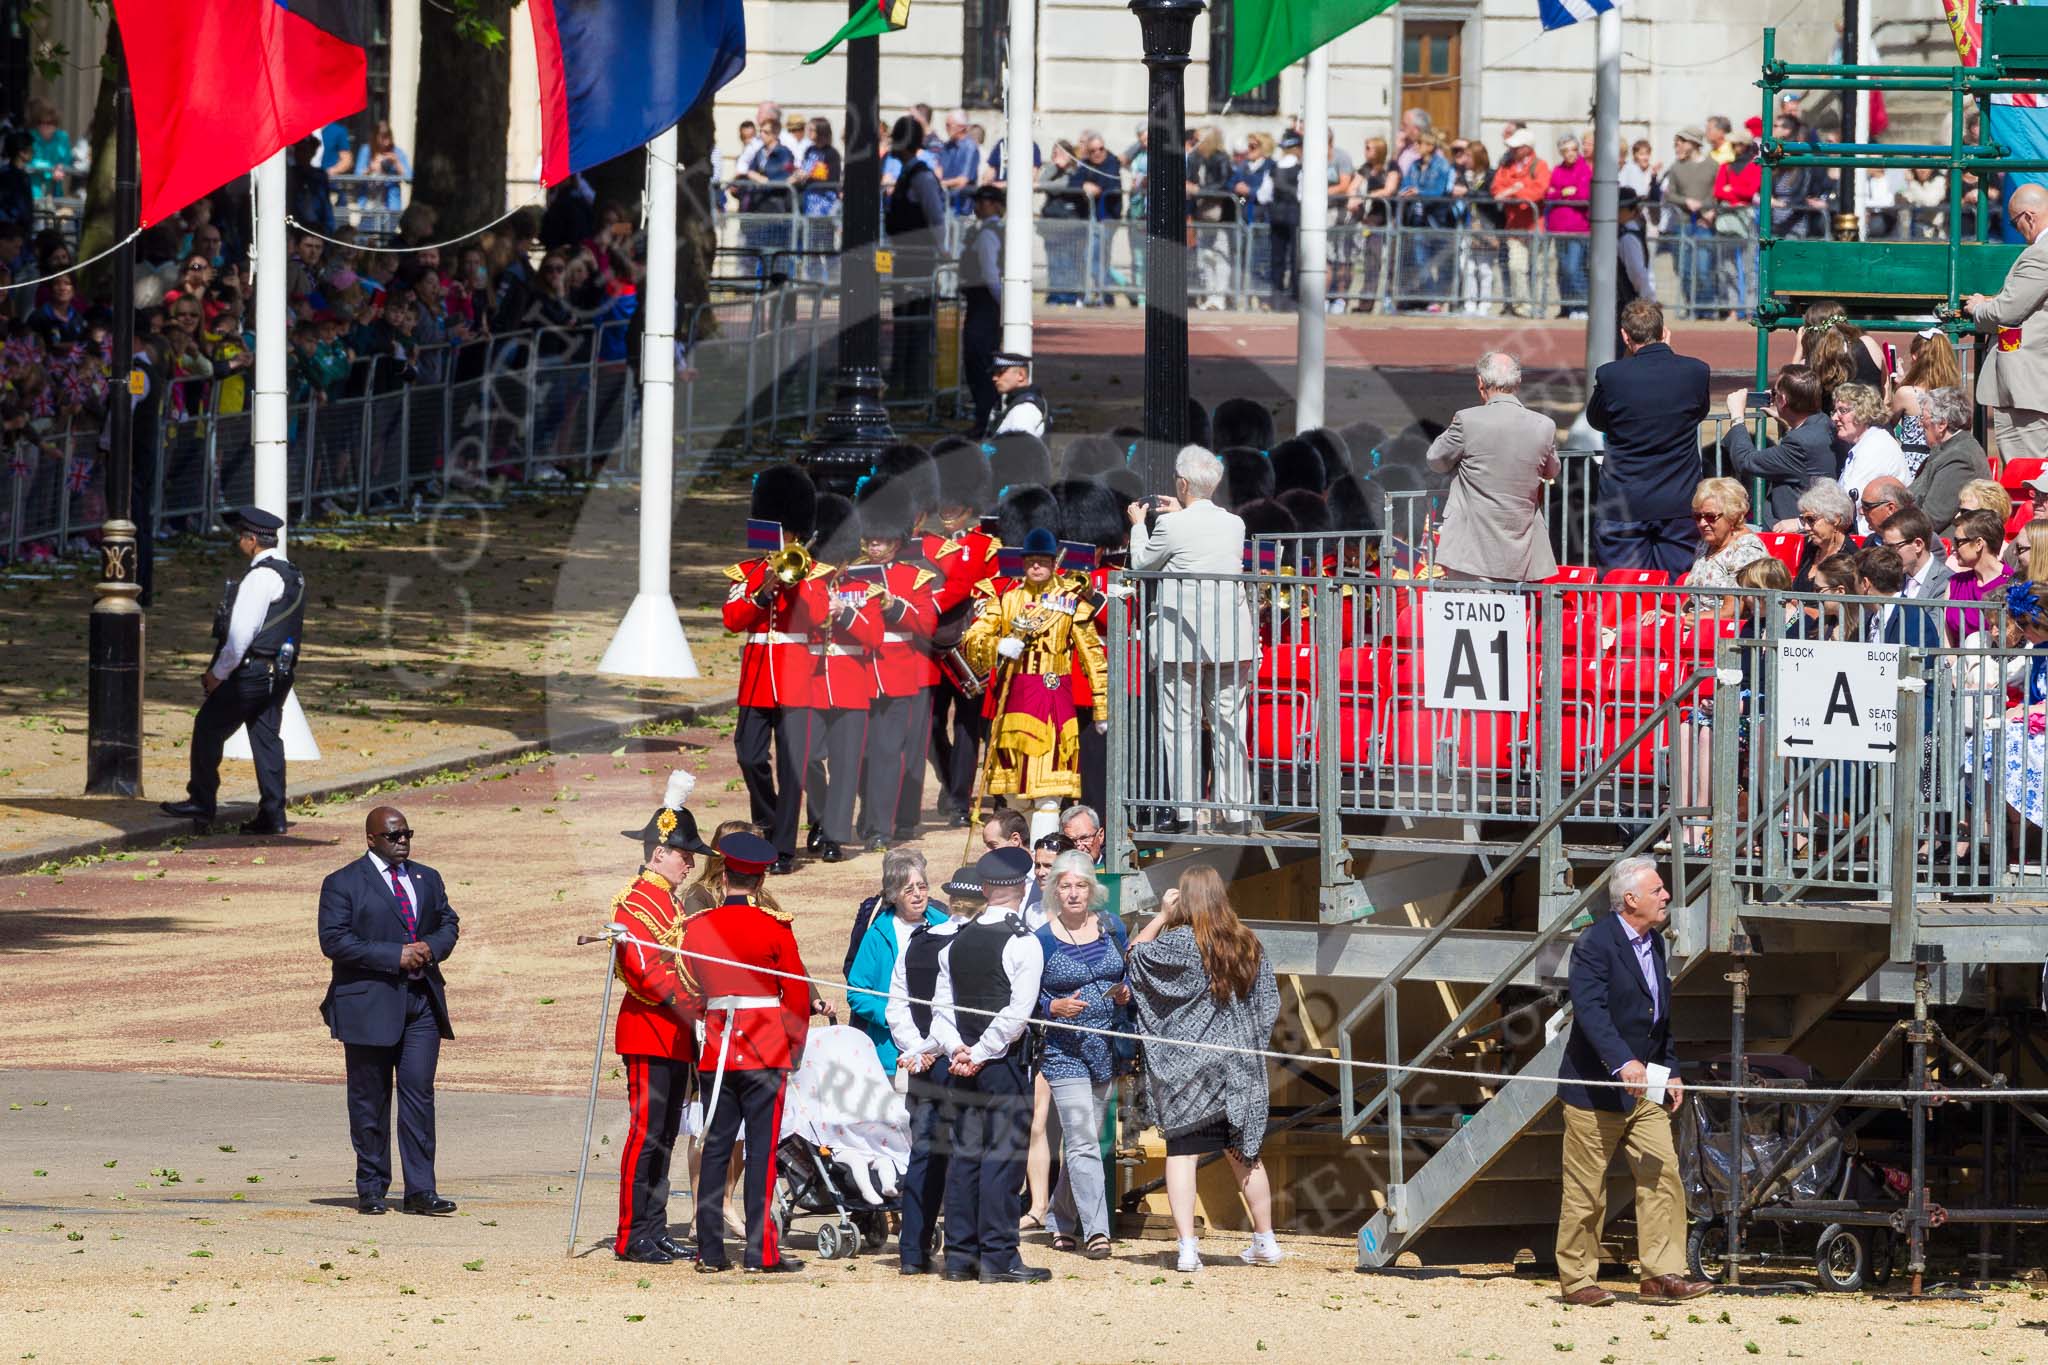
(1193, 1087)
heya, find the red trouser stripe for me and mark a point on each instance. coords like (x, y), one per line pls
(629, 1154)
(771, 1251)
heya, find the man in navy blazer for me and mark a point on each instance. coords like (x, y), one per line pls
(386, 925)
(1649, 405)
(1621, 1025)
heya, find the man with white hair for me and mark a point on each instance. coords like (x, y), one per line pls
(1202, 639)
(959, 162)
(1621, 1028)
(1498, 455)
(2014, 384)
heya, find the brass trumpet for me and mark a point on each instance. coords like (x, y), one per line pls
(789, 565)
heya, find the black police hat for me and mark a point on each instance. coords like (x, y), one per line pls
(964, 882)
(672, 826)
(254, 519)
(1009, 360)
(1003, 867)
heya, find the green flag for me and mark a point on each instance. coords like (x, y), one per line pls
(872, 21)
(1275, 34)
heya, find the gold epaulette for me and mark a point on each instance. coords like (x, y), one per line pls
(947, 547)
(736, 572)
(819, 570)
(876, 590)
(986, 587)
(782, 916)
(924, 576)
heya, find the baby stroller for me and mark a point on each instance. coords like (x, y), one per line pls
(845, 1145)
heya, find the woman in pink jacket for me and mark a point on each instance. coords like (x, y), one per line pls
(1568, 221)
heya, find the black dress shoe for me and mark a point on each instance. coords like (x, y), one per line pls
(372, 1206)
(1017, 1274)
(877, 845)
(428, 1203)
(782, 866)
(914, 1270)
(648, 1252)
(830, 852)
(713, 1267)
(815, 841)
(261, 827)
(674, 1248)
(958, 1275)
(1171, 827)
(787, 1265)
(961, 820)
(186, 810)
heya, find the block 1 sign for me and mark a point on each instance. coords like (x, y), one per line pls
(1475, 651)
(1837, 700)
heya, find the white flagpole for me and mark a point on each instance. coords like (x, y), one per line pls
(649, 642)
(1019, 202)
(1312, 269)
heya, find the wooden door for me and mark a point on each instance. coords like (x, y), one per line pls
(1432, 71)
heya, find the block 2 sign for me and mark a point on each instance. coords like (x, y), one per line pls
(1837, 700)
(1475, 651)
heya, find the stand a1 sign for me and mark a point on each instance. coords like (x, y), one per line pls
(1475, 651)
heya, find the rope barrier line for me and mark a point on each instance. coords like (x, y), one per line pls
(408, 250)
(73, 267)
(615, 934)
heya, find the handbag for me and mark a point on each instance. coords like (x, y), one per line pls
(1730, 222)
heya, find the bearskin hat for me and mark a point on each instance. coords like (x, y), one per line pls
(1363, 439)
(1311, 514)
(909, 467)
(1126, 483)
(887, 511)
(1092, 513)
(1026, 508)
(1242, 422)
(786, 494)
(1356, 504)
(1089, 456)
(1019, 458)
(963, 474)
(1334, 449)
(1198, 424)
(1397, 477)
(837, 539)
(1297, 465)
(1265, 517)
(1247, 476)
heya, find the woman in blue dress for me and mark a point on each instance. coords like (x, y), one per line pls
(2025, 733)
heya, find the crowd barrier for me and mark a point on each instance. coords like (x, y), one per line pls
(1334, 691)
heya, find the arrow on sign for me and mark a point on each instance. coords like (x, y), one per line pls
(1888, 748)
(1803, 743)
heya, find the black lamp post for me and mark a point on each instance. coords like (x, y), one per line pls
(113, 743)
(1168, 27)
(851, 435)
(1845, 183)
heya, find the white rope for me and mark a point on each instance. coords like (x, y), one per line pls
(74, 266)
(617, 934)
(408, 250)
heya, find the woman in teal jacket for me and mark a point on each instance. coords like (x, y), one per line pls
(905, 904)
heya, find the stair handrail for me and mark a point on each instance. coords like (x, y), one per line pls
(1384, 991)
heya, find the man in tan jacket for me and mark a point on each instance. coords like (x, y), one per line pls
(1498, 455)
(2014, 384)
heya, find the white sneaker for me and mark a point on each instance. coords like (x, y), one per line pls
(1264, 1250)
(1190, 1256)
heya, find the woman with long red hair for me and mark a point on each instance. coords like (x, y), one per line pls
(1197, 975)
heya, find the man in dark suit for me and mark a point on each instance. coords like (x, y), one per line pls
(1805, 452)
(1649, 406)
(1881, 572)
(1621, 1026)
(386, 924)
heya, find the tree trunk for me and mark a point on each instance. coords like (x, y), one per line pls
(696, 236)
(464, 119)
(96, 231)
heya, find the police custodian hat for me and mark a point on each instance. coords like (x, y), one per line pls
(672, 826)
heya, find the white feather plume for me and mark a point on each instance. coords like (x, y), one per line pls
(680, 785)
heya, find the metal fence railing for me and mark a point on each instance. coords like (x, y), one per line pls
(525, 407)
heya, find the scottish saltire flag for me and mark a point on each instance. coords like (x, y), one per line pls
(2018, 121)
(1559, 13)
(613, 73)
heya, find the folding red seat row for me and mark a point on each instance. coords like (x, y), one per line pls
(1787, 547)
(2016, 474)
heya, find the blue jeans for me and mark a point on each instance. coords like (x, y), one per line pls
(1698, 271)
(1571, 269)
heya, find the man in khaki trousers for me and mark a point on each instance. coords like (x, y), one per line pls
(1621, 1027)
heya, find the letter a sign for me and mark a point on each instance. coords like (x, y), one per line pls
(1837, 700)
(1475, 651)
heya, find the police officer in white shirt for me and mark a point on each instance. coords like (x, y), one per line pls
(258, 633)
(1020, 406)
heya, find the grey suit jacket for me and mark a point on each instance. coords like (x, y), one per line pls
(1939, 486)
(1938, 576)
(1498, 456)
(2018, 378)
(1196, 622)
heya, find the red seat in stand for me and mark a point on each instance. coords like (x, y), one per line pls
(2019, 472)
(1787, 547)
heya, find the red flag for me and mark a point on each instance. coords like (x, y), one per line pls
(222, 84)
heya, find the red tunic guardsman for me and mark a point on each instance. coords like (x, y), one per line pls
(899, 724)
(656, 1030)
(772, 737)
(755, 1024)
(965, 556)
(845, 623)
